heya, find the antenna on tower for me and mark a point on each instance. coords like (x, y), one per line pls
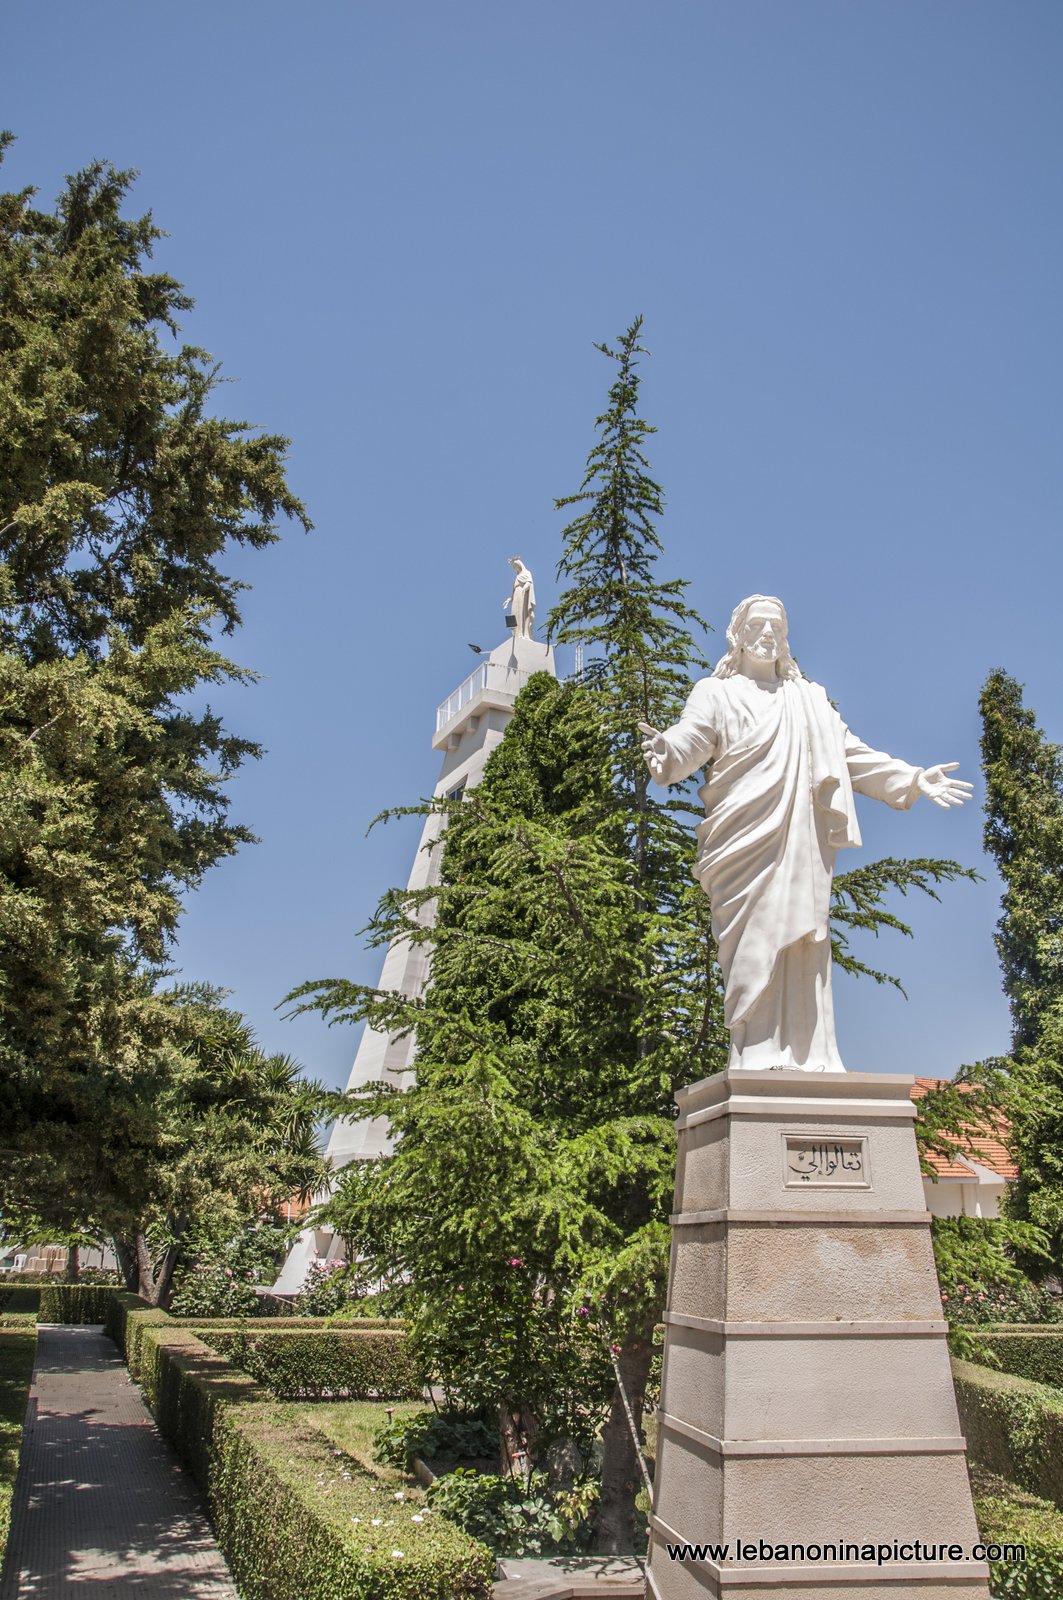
(579, 658)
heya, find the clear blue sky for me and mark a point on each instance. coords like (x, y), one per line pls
(405, 224)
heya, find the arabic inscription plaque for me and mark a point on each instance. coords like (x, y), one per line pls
(824, 1161)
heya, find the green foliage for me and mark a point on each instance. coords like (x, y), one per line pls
(74, 1302)
(120, 497)
(18, 1348)
(1024, 835)
(460, 1435)
(1013, 1427)
(1036, 1106)
(1008, 1515)
(352, 1364)
(634, 627)
(980, 1279)
(517, 1516)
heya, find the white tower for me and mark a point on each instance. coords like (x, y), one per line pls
(468, 725)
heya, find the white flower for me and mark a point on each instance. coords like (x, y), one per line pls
(416, 1518)
(356, 1519)
(374, 1522)
(399, 1554)
(400, 1496)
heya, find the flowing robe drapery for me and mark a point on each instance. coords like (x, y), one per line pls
(522, 602)
(781, 770)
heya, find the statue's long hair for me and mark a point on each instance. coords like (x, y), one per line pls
(728, 665)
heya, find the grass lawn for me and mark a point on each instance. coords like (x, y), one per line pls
(351, 1424)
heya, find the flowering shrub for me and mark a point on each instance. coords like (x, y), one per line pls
(214, 1290)
(971, 1306)
(221, 1279)
(329, 1287)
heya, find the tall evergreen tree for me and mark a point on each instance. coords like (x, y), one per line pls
(120, 493)
(1024, 835)
(572, 993)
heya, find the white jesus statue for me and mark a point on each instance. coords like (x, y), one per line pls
(781, 768)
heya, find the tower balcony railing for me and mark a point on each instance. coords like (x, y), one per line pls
(488, 675)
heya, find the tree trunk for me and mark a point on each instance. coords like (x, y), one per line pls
(621, 1478)
(126, 1255)
(73, 1264)
(155, 1279)
(519, 1432)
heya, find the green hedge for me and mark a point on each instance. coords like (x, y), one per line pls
(1008, 1515)
(75, 1302)
(1029, 1352)
(18, 1347)
(345, 1365)
(296, 1518)
(127, 1318)
(1014, 1428)
(185, 1383)
(18, 1303)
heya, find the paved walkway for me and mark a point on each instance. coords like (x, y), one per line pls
(103, 1510)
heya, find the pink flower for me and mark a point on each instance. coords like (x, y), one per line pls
(515, 1261)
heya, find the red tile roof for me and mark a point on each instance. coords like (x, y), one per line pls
(987, 1146)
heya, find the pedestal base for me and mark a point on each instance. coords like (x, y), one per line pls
(808, 1427)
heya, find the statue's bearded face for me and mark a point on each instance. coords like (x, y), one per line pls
(764, 633)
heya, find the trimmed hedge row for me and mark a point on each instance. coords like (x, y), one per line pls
(74, 1302)
(299, 1520)
(1034, 1352)
(1009, 1515)
(127, 1319)
(310, 1366)
(296, 1518)
(1014, 1428)
(18, 1304)
(18, 1346)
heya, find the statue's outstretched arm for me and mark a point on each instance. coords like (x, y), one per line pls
(898, 784)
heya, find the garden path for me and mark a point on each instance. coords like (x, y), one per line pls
(103, 1509)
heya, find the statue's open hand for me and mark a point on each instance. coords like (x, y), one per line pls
(935, 783)
(654, 749)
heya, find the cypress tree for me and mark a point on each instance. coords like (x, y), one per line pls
(1024, 835)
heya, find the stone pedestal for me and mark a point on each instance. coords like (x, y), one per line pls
(806, 1395)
